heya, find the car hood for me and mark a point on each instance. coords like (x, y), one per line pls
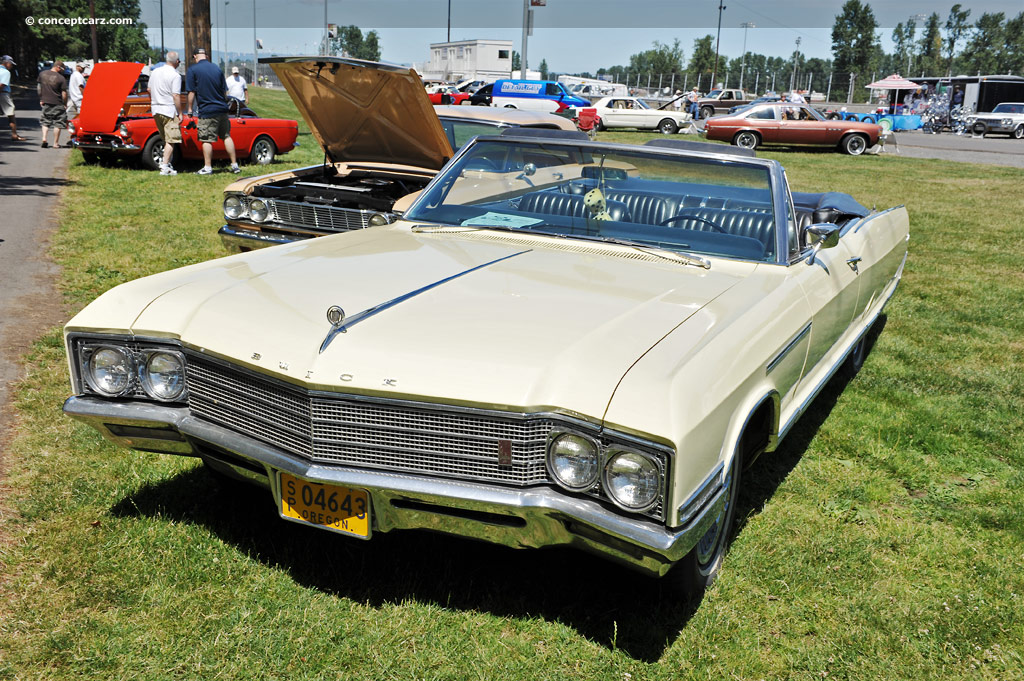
(365, 111)
(478, 320)
(105, 93)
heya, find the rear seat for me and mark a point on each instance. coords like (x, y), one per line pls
(568, 205)
(752, 224)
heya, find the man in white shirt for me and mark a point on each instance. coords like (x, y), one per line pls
(237, 88)
(165, 102)
(6, 101)
(75, 88)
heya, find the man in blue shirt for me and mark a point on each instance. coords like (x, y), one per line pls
(206, 85)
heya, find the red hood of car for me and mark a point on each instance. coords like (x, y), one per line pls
(104, 95)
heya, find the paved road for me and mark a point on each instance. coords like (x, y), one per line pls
(30, 180)
(1002, 151)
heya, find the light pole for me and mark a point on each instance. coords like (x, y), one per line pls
(714, 71)
(224, 45)
(255, 46)
(912, 20)
(743, 64)
(796, 60)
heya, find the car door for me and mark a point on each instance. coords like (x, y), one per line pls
(830, 280)
(877, 246)
(799, 126)
(613, 114)
(244, 129)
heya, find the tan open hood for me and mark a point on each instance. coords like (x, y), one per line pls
(365, 111)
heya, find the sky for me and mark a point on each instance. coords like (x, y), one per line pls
(571, 35)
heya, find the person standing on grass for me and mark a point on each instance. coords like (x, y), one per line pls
(6, 101)
(207, 87)
(237, 87)
(53, 100)
(75, 88)
(165, 102)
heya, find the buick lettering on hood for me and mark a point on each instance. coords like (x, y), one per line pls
(561, 342)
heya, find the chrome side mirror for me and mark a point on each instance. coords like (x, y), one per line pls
(824, 235)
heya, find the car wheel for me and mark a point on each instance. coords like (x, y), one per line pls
(833, 116)
(668, 126)
(153, 152)
(854, 145)
(979, 128)
(746, 139)
(90, 158)
(509, 106)
(600, 125)
(1018, 132)
(707, 111)
(698, 569)
(263, 151)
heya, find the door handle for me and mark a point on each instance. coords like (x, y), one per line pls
(853, 263)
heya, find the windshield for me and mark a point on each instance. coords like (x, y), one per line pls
(1009, 108)
(644, 196)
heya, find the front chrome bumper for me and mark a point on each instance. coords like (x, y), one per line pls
(532, 517)
(238, 240)
(105, 145)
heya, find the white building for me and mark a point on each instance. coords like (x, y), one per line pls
(467, 60)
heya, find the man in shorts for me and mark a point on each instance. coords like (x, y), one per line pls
(207, 87)
(6, 101)
(53, 100)
(165, 102)
(75, 89)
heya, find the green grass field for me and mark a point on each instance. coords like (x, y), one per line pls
(884, 540)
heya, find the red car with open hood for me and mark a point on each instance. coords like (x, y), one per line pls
(101, 129)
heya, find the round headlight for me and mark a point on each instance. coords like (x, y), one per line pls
(632, 480)
(123, 129)
(163, 376)
(258, 210)
(109, 370)
(378, 219)
(233, 207)
(573, 461)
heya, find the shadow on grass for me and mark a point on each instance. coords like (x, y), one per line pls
(605, 603)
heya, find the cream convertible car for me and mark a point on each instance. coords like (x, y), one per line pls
(562, 342)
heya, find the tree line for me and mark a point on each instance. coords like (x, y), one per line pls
(991, 44)
(35, 42)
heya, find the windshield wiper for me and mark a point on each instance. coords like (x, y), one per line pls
(664, 253)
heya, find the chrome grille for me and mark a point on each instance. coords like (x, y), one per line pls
(351, 431)
(347, 430)
(326, 218)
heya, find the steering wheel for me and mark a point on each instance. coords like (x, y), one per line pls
(676, 218)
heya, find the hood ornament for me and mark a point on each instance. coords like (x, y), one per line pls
(339, 324)
(335, 315)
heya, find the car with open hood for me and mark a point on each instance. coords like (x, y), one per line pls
(382, 138)
(633, 112)
(561, 342)
(103, 131)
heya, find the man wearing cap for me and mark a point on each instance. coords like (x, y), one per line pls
(207, 87)
(53, 100)
(165, 103)
(6, 101)
(75, 88)
(237, 88)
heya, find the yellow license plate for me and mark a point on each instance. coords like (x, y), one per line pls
(331, 506)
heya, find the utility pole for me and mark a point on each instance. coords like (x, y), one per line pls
(910, 48)
(714, 71)
(796, 60)
(197, 28)
(743, 63)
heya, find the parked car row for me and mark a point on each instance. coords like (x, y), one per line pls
(550, 341)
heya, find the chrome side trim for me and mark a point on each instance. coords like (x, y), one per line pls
(366, 314)
(518, 518)
(789, 348)
(712, 485)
